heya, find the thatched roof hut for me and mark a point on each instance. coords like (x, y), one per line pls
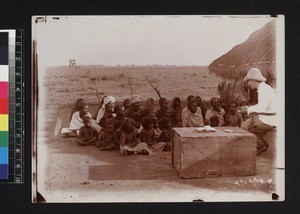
(259, 50)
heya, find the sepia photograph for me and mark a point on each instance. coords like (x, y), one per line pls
(183, 108)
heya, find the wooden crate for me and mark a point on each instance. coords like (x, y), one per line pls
(213, 154)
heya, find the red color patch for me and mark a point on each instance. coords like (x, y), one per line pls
(3, 106)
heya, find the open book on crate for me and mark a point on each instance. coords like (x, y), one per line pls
(207, 128)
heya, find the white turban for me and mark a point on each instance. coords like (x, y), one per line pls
(106, 100)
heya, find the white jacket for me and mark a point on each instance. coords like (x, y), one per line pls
(266, 104)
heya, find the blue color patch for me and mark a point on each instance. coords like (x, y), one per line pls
(3, 155)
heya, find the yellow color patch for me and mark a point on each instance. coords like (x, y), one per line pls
(3, 122)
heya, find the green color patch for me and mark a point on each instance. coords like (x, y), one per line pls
(3, 139)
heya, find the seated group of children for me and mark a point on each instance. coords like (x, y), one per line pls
(126, 134)
(231, 116)
(142, 131)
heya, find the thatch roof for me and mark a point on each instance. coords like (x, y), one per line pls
(257, 51)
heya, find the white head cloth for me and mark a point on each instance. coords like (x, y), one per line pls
(106, 100)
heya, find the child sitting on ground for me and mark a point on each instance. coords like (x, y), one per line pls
(236, 118)
(149, 136)
(107, 138)
(156, 128)
(228, 120)
(117, 122)
(165, 136)
(129, 144)
(176, 110)
(214, 121)
(87, 133)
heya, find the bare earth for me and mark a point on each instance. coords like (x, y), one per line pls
(70, 173)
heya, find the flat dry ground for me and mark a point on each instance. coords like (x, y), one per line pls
(68, 172)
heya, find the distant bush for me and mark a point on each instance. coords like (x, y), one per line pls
(106, 78)
(121, 75)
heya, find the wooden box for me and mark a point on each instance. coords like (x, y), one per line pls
(213, 154)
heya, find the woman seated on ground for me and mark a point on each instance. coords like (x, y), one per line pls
(76, 106)
(106, 109)
(77, 121)
(193, 116)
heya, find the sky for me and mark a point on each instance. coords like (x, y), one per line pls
(141, 40)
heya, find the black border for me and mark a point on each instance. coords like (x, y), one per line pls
(16, 14)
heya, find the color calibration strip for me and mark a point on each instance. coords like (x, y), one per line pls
(11, 106)
(4, 105)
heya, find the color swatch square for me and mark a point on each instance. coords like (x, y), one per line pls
(4, 89)
(3, 56)
(3, 155)
(3, 139)
(3, 105)
(3, 122)
(3, 171)
(4, 73)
